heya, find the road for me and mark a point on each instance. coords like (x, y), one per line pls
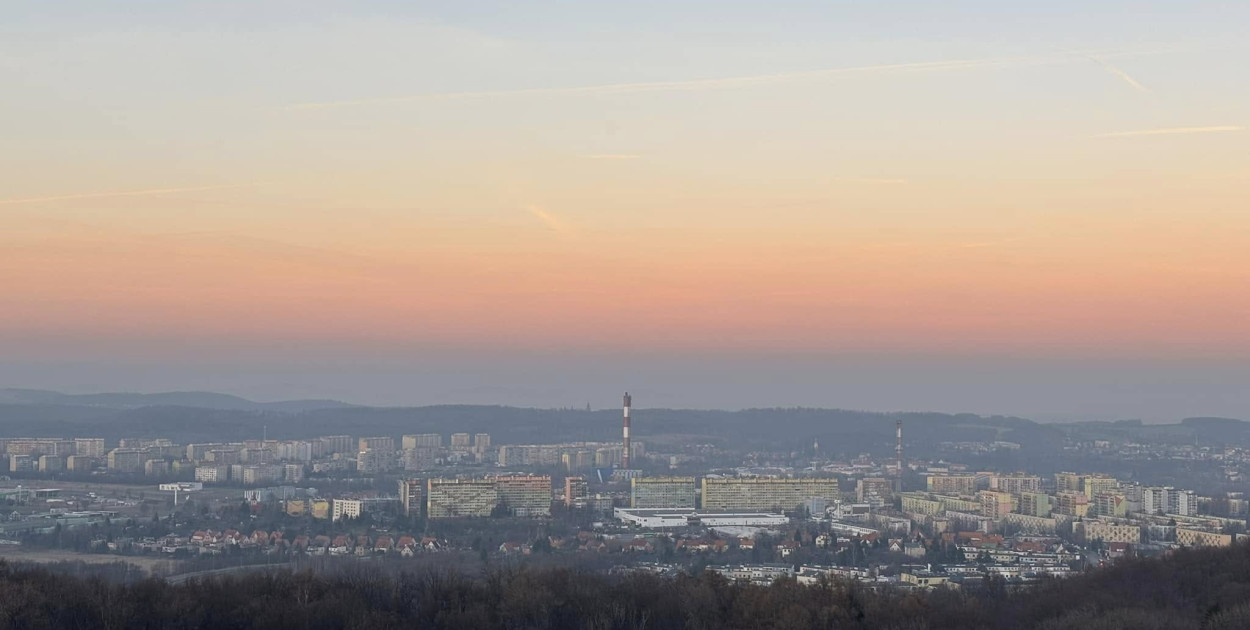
(184, 577)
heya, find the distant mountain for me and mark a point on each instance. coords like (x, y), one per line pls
(200, 400)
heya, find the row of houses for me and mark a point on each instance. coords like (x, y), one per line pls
(211, 542)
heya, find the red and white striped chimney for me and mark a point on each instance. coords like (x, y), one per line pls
(625, 434)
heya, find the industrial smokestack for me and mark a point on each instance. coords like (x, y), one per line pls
(625, 434)
(898, 446)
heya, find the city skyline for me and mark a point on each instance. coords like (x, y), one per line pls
(970, 207)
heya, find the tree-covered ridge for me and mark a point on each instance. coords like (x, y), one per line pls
(1202, 589)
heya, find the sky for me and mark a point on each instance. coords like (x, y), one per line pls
(1039, 209)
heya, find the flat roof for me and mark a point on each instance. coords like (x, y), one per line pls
(658, 512)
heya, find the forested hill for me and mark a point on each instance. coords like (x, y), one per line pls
(838, 430)
(198, 417)
(1193, 590)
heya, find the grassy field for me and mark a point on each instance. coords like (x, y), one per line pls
(19, 554)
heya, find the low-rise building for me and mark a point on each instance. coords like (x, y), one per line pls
(924, 579)
(1200, 538)
(347, 508)
(1107, 532)
(680, 517)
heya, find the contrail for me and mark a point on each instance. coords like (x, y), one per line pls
(698, 84)
(1168, 131)
(551, 221)
(1136, 85)
(118, 193)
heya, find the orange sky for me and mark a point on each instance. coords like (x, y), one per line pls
(815, 180)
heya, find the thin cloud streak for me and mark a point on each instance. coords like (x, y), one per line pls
(554, 223)
(1169, 131)
(1116, 71)
(118, 193)
(1136, 85)
(707, 84)
(871, 180)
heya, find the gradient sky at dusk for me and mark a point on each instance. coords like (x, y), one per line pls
(1026, 208)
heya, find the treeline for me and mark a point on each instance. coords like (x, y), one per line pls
(1201, 590)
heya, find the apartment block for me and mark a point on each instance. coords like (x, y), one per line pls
(144, 442)
(261, 474)
(373, 462)
(126, 460)
(962, 485)
(90, 447)
(1169, 501)
(1072, 504)
(1200, 538)
(51, 463)
(412, 497)
(919, 503)
(1099, 484)
(421, 440)
(156, 468)
(576, 491)
(1109, 504)
(529, 454)
(996, 504)
(1035, 504)
(419, 458)
(877, 492)
(525, 495)
(79, 463)
(338, 444)
(292, 473)
(1016, 483)
(762, 494)
(1068, 482)
(223, 456)
(1108, 532)
(577, 460)
(22, 463)
(662, 492)
(197, 452)
(456, 498)
(39, 446)
(212, 474)
(385, 444)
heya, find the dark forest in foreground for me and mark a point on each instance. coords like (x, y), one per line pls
(1204, 589)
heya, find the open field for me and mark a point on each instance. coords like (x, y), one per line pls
(17, 553)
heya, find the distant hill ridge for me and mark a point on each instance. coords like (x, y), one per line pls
(125, 400)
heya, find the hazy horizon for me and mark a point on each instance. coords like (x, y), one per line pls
(1046, 392)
